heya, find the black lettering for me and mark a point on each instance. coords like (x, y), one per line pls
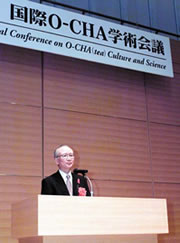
(101, 33)
(53, 18)
(90, 29)
(154, 64)
(68, 45)
(72, 27)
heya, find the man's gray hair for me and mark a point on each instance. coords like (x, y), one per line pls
(62, 145)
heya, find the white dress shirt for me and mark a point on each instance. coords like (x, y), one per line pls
(63, 174)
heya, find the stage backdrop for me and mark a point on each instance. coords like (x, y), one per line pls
(123, 124)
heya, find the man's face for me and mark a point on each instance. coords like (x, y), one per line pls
(65, 159)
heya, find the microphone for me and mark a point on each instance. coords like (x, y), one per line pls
(76, 171)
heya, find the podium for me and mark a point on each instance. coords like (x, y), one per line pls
(61, 219)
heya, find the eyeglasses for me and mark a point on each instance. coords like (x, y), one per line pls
(64, 156)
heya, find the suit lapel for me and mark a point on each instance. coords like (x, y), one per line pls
(61, 188)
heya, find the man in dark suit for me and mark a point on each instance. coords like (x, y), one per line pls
(64, 182)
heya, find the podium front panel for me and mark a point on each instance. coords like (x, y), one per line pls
(47, 215)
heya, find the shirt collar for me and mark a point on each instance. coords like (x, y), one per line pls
(63, 174)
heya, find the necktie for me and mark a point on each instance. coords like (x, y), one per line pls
(68, 184)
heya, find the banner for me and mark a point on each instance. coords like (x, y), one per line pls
(48, 29)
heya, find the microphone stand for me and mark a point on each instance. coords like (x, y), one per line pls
(90, 183)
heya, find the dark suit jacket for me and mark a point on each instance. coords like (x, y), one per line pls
(55, 185)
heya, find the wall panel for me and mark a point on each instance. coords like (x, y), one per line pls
(163, 96)
(13, 189)
(159, 10)
(93, 88)
(20, 76)
(80, 3)
(136, 11)
(175, 49)
(177, 10)
(165, 141)
(20, 130)
(108, 147)
(8, 240)
(114, 188)
(21, 140)
(176, 68)
(109, 8)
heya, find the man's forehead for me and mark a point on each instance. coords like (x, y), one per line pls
(64, 149)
